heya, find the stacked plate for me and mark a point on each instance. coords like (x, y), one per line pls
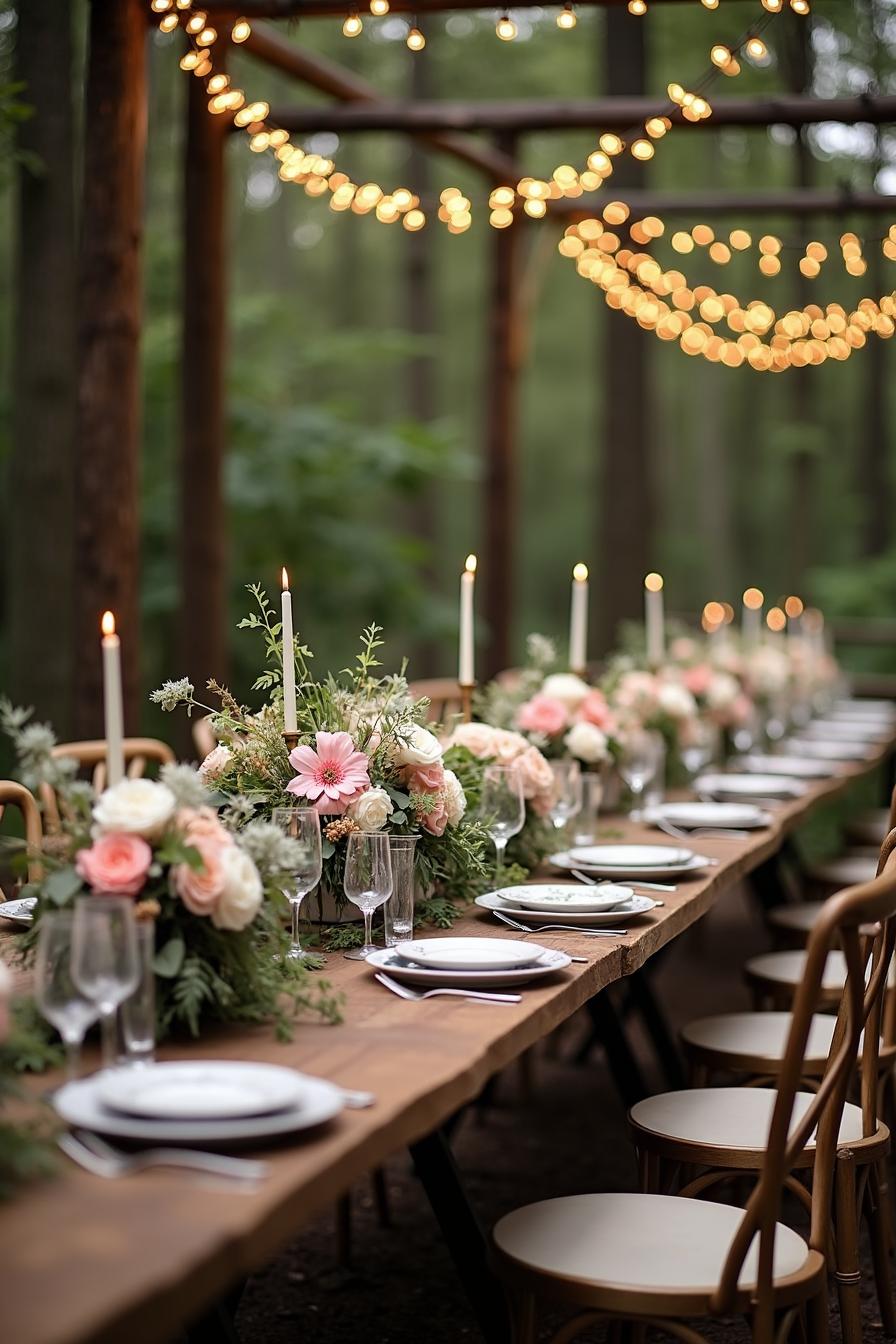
(849, 730)
(632, 861)
(691, 815)
(818, 749)
(467, 963)
(795, 767)
(208, 1102)
(568, 903)
(737, 787)
(20, 911)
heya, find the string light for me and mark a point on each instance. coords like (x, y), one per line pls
(241, 31)
(505, 28)
(566, 19)
(352, 25)
(637, 7)
(169, 23)
(415, 41)
(379, 8)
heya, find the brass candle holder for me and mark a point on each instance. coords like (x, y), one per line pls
(466, 700)
(291, 739)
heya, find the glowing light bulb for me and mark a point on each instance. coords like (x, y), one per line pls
(159, 6)
(773, 6)
(800, 6)
(753, 598)
(756, 48)
(168, 24)
(643, 150)
(720, 55)
(379, 7)
(241, 31)
(415, 41)
(710, 4)
(352, 26)
(637, 7)
(506, 29)
(566, 19)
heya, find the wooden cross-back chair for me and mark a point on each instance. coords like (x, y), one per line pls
(13, 794)
(651, 1259)
(444, 696)
(138, 753)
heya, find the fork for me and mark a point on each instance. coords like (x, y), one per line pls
(92, 1153)
(713, 832)
(561, 928)
(628, 881)
(416, 995)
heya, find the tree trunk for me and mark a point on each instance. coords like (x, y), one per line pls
(627, 545)
(203, 579)
(40, 470)
(107, 471)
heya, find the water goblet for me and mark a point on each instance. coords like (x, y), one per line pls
(502, 808)
(699, 746)
(367, 881)
(302, 826)
(105, 963)
(638, 761)
(567, 792)
(55, 992)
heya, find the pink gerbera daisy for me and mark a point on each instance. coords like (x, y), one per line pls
(330, 777)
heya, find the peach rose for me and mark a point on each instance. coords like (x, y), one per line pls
(436, 820)
(200, 888)
(536, 779)
(478, 738)
(594, 709)
(116, 863)
(424, 778)
(202, 823)
(543, 714)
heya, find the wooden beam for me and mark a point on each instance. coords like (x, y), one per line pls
(785, 202)
(107, 540)
(596, 114)
(344, 85)
(299, 9)
(203, 594)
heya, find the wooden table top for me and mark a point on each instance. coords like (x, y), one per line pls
(87, 1261)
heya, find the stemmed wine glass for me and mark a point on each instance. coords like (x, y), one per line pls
(302, 825)
(105, 967)
(367, 881)
(502, 808)
(637, 763)
(56, 994)
(567, 792)
(699, 748)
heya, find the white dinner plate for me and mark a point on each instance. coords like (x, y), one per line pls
(564, 896)
(818, 750)
(630, 856)
(80, 1104)
(620, 914)
(566, 863)
(743, 816)
(468, 954)
(749, 786)
(21, 910)
(797, 767)
(205, 1090)
(883, 709)
(547, 962)
(847, 730)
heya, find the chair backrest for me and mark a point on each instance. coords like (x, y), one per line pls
(444, 696)
(861, 919)
(13, 794)
(138, 752)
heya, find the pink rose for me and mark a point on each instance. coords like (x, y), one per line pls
(202, 823)
(594, 709)
(543, 714)
(200, 888)
(436, 819)
(424, 778)
(698, 679)
(536, 780)
(117, 863)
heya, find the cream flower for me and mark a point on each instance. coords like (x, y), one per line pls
(215, 764)
(419, 747)
(372, 810)
(676, 701)
(455, 798)
(135, 806)
(477, 738)
(587, 743)
(723, 691)
(241, 893)
(566, 687)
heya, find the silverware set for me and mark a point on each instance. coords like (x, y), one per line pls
(100, 1158)
(560, 928)
(710, 832)
(627, 881)
(416, 995)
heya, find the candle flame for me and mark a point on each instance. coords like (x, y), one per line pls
(107, 624)
(794, 606)
(470, 564)
(284, 579)
(713, 614)
(653, 583)
(580, 573)
(753, 598)
(729, 612)
(776, 620)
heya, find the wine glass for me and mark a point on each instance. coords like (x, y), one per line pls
(638, 761)
(55, 992)
(302, 825)
(699, 746)
(567, 792)
(367, 881)
(502, 808)
(105, 966)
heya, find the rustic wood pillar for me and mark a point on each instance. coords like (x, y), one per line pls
(202, 528)
(107, 470)
(503, 359)
(626, 508)
(40, 473)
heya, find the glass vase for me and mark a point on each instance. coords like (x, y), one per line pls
(398, 912)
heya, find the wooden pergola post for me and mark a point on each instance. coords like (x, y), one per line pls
(503, 358)
(202, 643)
(108, 449)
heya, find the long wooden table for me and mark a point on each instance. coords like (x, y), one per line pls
(87, 1261)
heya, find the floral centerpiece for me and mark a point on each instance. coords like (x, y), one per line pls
(25, 1149)
(212, 886)
(363, 758)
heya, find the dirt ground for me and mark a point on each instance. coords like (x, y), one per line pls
(566, 1137)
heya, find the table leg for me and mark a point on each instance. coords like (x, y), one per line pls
(435, 1166)
(650, 1011)
(218, 1324)
(608, 1033)
(772, 883)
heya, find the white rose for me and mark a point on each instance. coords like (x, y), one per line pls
(455, 798)
(372, 810)
(722, 692)
(419, 747)
(240, 899)
(214, 764)
(566, 687)
(586, 742)
(135, 806)
(676, 701)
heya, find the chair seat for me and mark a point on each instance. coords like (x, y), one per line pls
(637, 1243)
(757, 1041)
(728, 1117)
(847, 870)
(869, 828)
(786, 969)
(796, 918)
